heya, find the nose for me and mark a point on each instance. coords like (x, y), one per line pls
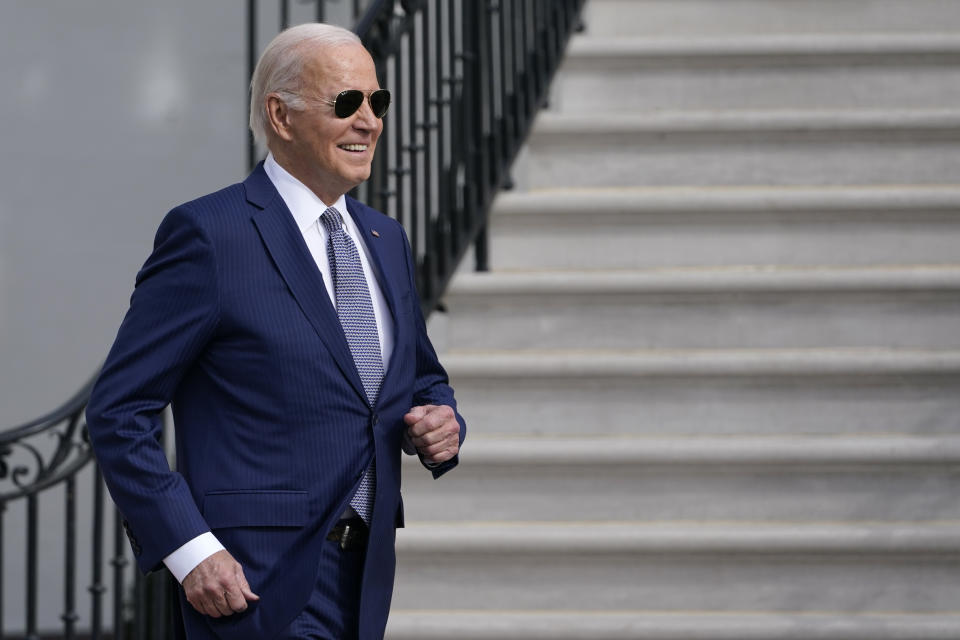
(364, 118)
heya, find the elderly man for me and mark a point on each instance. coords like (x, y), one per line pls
(280, 319)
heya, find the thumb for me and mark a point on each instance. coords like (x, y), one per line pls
(245, 586)
(415, 415)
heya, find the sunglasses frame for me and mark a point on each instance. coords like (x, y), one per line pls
(344, 108)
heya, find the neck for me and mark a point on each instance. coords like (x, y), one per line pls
(325, 193)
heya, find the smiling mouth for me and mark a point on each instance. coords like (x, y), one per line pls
(353, 147)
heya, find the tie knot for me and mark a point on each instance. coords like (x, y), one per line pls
(331, 220)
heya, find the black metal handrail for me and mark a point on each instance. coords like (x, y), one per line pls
(467, 77)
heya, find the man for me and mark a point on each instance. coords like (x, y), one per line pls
(280, 319)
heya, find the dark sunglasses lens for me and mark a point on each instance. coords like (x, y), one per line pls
(380, 102)
(348, 102)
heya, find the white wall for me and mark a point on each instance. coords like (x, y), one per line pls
(113, 112)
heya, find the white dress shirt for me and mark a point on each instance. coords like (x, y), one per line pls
(306, 208)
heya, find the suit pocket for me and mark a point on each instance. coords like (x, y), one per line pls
(226, 509)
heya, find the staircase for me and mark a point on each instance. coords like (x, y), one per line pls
(713, 378)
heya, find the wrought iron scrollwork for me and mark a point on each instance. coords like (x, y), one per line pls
(45, 451)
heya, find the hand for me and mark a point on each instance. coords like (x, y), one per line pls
(217, 587)
(434, 431)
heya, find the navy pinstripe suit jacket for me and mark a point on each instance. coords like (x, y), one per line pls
(230, 321)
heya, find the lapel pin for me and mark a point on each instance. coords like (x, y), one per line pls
(376, 234)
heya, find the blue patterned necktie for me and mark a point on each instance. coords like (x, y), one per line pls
(355, 309)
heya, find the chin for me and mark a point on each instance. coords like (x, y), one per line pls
(359, 177)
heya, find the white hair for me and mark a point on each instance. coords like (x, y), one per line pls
(281, 65)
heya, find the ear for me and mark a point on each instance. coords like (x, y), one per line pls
(278, 117)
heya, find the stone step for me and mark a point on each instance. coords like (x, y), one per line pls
(853, 567)
(635, 228)
(501, 624)
(707, 17)
(786, 478)
(708, 392)
(706, 308)
(775, 147)
(759, 72)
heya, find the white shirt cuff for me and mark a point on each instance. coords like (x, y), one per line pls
(185, 559)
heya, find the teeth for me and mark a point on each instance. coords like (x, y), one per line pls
(354, 147)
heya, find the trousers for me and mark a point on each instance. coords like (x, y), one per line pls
(331, 614)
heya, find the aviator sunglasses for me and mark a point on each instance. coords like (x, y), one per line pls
(347, 102)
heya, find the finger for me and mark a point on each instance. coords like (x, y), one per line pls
(441, 452)
(449, 430)
(197, 605)
(416, 414)
(214, 593)
(219, 602)
(436, 418)
(446, 434)
(202, 600)
(235, 600)
(245, 589)
(443, 456)
(428, 438)
(207, 607)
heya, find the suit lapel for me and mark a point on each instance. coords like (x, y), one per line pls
(285, 244)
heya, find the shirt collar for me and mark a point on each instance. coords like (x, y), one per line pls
(303, 203)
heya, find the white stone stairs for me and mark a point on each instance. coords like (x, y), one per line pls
(713, 378)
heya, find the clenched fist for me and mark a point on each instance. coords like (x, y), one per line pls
(434, 431)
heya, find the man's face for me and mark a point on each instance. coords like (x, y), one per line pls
(333, 154)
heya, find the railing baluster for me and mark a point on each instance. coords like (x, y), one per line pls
(426, 152)
(398, 168)
(408, 53)
(540, 70)
(251, 64)
(139, 607)
(32, 567)
(69, 616)
(520, 67)
(174, 614)
(433, 232)
(551, 49)
(506, 129)
(516, 69)
(529, 58)
(119, 562)
(471, 110)
(448, 187)
(480, 85)
(378, 187)
(486, 90)
(158, 605)
(3, 512)
(444, 222)
(97, 587)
